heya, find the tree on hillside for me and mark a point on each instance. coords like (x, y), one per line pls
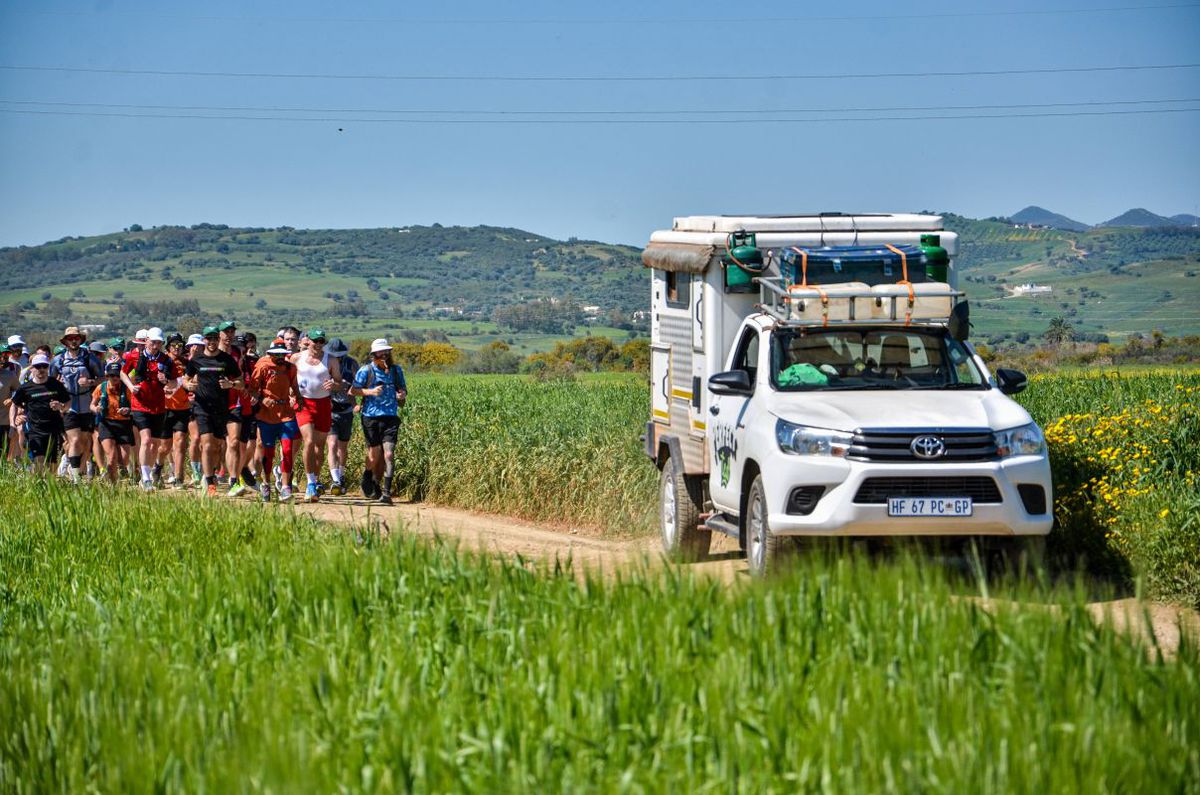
(1060, 331)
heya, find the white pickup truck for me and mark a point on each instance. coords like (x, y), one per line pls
(811, 377)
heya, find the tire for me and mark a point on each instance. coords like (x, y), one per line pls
(765, 552)
(680, 499)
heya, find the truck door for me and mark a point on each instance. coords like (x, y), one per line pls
(697, 418)
(727, 428)
(660, 387)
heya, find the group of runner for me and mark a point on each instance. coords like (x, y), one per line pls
(140, 409)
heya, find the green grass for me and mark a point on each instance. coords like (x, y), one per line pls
(171, 646)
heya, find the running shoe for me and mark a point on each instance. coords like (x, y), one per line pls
(147, 485)
(311, 494)
(211, 490)
(320, 487)
(285, 494)
(264, 489)
(337, 489)
(64, 467)
(368, 485)
(237, 489)
(384, 498)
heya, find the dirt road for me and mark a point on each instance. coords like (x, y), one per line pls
(512, 537)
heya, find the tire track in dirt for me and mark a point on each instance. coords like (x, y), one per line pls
(588, 551)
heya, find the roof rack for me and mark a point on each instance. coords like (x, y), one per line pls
(898, 304)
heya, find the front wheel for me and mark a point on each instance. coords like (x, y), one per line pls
(765, 551)
(680, 499)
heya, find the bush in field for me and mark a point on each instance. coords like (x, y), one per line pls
(1126, 458)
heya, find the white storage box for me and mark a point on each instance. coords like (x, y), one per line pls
(827, 302)
(931, 301)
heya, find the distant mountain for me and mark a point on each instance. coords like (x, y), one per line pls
(1186, 219)
(1140, 217)
(1039, 216)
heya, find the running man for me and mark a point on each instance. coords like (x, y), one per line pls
(79, 371)
(195, 344)
(382, 386)
(113, 407)
(242, 427)
(43, 400)
(274, 384)
(151, 375)
(337, 444)
(318, 375)
(178, 417)
(211, 373)
(9, 380)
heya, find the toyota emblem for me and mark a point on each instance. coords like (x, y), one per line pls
(928, 447)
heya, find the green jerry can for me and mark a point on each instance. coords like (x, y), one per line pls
(743, 261)
(937, 260)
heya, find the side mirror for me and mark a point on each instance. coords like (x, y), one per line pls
(1011, 382)
(960, 321)
(731, 382)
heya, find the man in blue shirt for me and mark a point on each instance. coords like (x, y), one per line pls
(79, 370)
(381, 384)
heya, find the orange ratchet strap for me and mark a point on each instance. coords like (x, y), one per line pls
(804, 282)
(904, 281)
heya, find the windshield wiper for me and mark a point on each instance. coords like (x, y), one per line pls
(951, 386)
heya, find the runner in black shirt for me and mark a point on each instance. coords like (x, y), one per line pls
(211, 373)
(43, 401)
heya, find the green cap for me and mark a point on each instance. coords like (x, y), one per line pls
(316, 333)
(116, 342)
(226, 325)
(210, 330)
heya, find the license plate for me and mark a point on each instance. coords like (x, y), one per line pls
(929, 506)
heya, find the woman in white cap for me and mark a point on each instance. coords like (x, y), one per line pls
(318, 375)
(383, 389)
(17, 351)
(43, 400)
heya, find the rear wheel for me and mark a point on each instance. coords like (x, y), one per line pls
(680, 499)
(765, 551)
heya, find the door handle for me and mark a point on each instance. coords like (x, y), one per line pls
(714, 410)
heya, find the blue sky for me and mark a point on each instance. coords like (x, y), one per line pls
(87, 174)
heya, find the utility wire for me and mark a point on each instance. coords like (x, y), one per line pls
(344, 120)
(596, 78)
(674, 112)
(673, 20)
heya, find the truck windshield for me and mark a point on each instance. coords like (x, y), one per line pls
(881, 358)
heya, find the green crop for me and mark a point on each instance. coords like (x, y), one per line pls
(159, 645)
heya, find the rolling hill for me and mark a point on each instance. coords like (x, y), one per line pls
(1139, 216)
(450, 281)
(1039, 216)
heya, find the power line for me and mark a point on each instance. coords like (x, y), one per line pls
(674, 20)
(596, 78)
(344, 120)
(673, 112)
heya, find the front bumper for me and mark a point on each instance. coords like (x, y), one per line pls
(836, 514)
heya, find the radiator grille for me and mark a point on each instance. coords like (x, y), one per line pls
(894, 446)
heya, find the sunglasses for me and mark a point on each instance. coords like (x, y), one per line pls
(41, 367)
(73, 339)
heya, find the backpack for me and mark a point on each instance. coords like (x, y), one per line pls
(122, 399)
(142, 368)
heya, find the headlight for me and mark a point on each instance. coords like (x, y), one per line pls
(1026, 440)
(802, 440)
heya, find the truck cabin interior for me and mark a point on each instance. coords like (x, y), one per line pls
(841, 358)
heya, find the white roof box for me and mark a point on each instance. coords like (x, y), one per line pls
(817, 222)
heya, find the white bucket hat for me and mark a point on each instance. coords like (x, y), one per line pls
(155, 335)
(15, 339)
(380, 345)
(196, 339)
(141, 335)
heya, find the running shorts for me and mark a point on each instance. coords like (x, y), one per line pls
(379, 430)
(155, 423)
(343, 425)
(249, 426)
(177, 421)
(73, 421)
(209, 421)
(317, 412)
(42, 442)
(120, 431)
(271, 432)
